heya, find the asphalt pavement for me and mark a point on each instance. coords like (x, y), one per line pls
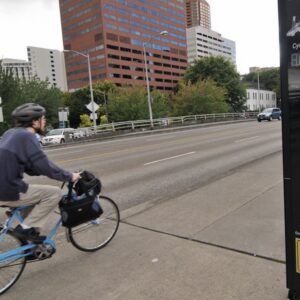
(224, 240)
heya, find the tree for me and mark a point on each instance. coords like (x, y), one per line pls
(101, 87)
(101, 92)
(85, 121)
(39, 91)
(203, 97)
(159, 104)
(103, 119)
(128, 103)
(15, 92)
(268, 80)
(76, 102)
(9, 92)
(223, 72)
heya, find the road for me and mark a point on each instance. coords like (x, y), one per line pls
(158, 167)
(200, 209)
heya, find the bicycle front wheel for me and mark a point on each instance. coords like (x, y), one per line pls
(96, 234)
(10, 269)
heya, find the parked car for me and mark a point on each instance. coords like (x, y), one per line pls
(82, 132)
(58, 136)
(78, 134)
(38, 137)
(269, 114)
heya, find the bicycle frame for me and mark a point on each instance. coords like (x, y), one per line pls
(20, 252)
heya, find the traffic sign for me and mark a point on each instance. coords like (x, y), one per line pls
(89, 106)
(91, 116)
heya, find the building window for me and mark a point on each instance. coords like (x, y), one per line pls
(124, 40)
(113, 56)
(112, 47)
(125, 49)
(111, 36)
(125, 58)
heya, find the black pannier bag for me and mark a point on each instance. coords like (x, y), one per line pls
(80, 211)
(87, 183)
(84, 208)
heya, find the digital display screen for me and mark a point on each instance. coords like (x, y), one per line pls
(295, 60)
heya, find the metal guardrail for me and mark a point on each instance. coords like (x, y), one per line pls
(170, 121)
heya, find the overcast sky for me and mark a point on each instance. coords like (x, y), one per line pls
(253, 25)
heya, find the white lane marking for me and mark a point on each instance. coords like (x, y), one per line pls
(247, 139)
(167, 158)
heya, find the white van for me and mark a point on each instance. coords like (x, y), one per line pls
(58, 136)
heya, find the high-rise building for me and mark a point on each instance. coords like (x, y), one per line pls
(203, 42)
(197, 13)
(112, 33)
(18, 68)
(48, 64)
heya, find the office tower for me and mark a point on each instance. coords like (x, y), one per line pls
(19, 69)
(197, 13)
(48, 64)
(112, 33)
(205, 42)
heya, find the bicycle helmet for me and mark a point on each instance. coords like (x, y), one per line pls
(88, 183)
(28, 112)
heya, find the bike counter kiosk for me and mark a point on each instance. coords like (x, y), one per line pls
(289, 32)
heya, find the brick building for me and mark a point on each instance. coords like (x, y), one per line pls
(197, 13)
(112, 33)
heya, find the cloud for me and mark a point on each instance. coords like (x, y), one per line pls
(10, 6)
(28, 23)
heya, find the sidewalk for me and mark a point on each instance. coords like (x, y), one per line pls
(243, 212)
(222, 241)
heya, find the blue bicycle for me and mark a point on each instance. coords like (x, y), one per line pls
(89, 236)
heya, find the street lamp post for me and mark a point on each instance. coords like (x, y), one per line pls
(164, 32)
(91, 86)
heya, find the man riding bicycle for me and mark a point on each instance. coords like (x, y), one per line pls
(20, 152)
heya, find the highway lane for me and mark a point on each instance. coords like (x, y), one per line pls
(155, 167)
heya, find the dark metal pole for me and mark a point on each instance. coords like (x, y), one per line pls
(289, 35)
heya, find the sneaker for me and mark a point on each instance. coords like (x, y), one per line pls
(30, 234)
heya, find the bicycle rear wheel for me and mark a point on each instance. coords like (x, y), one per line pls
(96, 234)
(11, 269)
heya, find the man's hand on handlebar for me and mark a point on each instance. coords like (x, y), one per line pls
(75, 176)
